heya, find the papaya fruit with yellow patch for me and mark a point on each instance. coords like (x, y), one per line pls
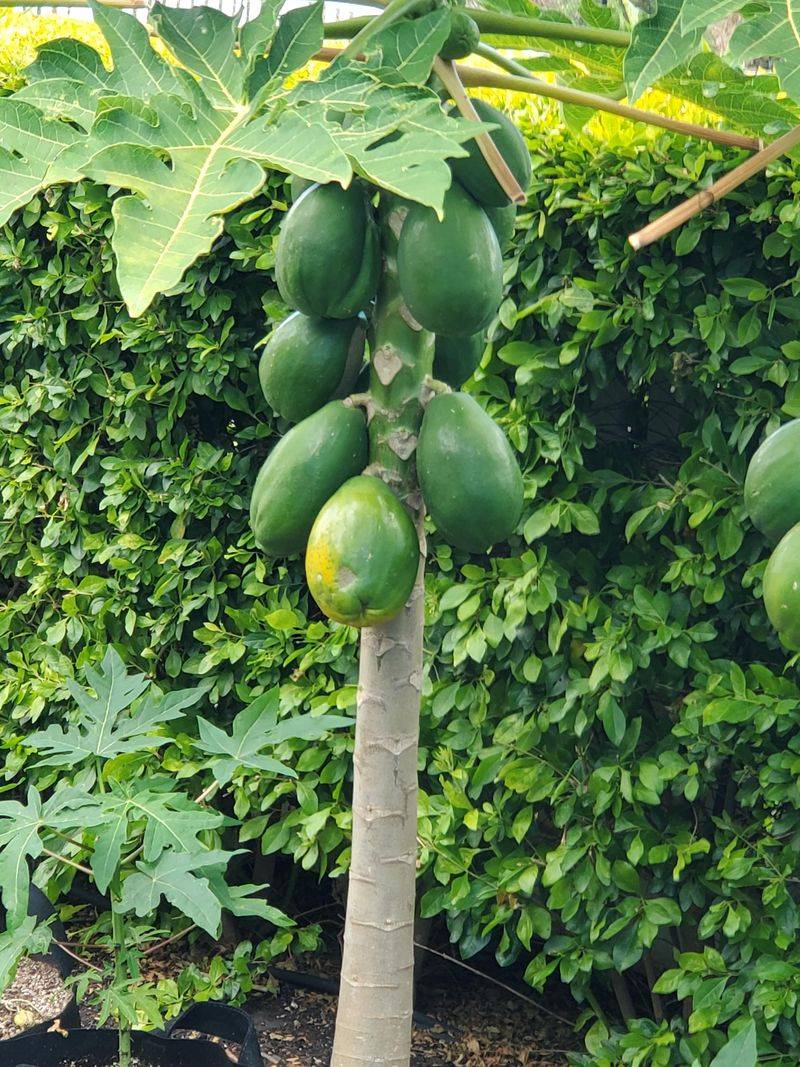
(363, 554)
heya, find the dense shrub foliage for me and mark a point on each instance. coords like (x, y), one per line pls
(609, 760)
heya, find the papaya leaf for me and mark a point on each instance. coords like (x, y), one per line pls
(192, 142)
(241, 900)
(139, 70)
(775, 32)
(176, 877)
(698, 14)
(398, 139)
(299, 36)
(658, 45)
(744, 101)
(203, 40)
(257, 35)
(29, 157)
(409, 47)
(256, 728)
(23, 940)
(104, 732)
(20, 826)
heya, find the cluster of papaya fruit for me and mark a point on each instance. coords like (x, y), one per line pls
(772, 498)
(362, 548)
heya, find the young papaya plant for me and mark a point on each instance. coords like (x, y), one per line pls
(112, 816)
(402, 206)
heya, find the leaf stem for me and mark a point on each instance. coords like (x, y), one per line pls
(169, 941)
(122, 978)
(477, 78)
(393, 11)
(697, 203)
(498, 24)
(70, 863)
(79, 959)
(505, 63)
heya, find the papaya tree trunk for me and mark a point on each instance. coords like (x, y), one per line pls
(373, 1024)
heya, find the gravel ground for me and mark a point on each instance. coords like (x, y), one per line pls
(36, 994)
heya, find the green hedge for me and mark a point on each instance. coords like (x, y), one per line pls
(610, 730)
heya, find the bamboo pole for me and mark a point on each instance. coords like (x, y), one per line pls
(448, 74)
(681, 214)
(125, 5)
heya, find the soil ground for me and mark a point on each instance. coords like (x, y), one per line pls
(478, 1025)
(469, 1021)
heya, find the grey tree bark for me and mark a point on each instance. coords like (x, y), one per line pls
(373, 1024)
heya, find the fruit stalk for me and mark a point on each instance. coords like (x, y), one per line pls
(376, 991)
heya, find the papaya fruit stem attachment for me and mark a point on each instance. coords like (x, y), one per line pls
(448, 75)
(360, 400)
(432, 387)
(681, 214)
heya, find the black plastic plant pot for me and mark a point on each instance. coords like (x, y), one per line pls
(99, 1048)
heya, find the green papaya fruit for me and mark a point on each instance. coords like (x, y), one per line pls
(502, 220)
(772, 485)
(463, 39)
(455, 359)
(363, 554)
(303, 470)
(469, 476)
(450, 272)
(298, 185)
(304, 362)
(328, 256)
(782, 589)
(473, 172)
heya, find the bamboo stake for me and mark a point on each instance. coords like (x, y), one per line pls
(448, 74)
(125, 5)
(695, 204)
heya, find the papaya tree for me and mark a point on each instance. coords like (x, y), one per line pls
(390, 260)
